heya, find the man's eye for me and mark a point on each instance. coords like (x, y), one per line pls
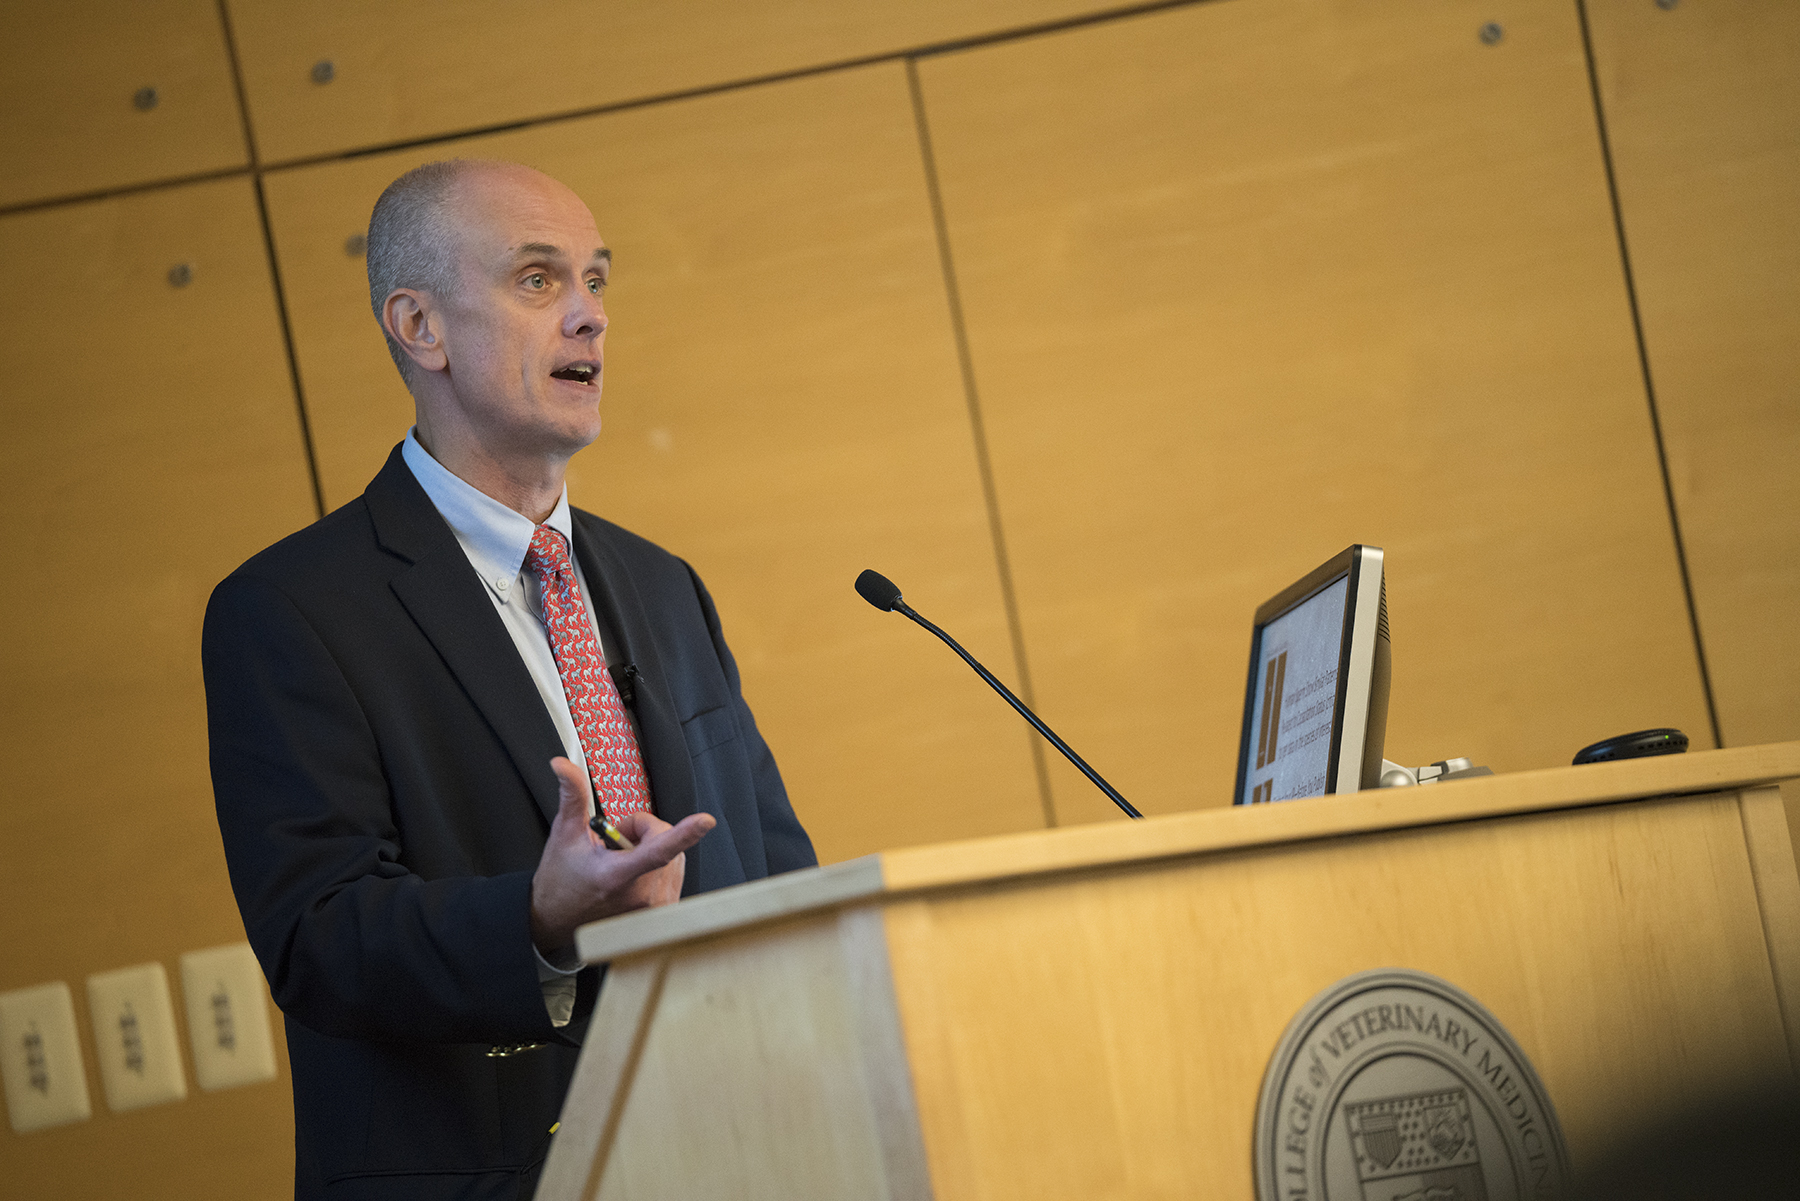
(596, 285)
(536, 280)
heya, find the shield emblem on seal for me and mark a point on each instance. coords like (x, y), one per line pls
(1381, 1138)
(1416, 1148)
(1444, 1131)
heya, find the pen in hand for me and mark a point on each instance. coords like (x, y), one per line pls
(609, 834)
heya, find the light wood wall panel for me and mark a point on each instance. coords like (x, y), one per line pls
(1703, 108)
(1247, 282)
(422, 68)
(152, 443)
(782, 408)
(68, 77)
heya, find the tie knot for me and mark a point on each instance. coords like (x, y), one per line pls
(548, 550)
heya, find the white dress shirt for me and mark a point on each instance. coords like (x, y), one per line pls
(495, 538)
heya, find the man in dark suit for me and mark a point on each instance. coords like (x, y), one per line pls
(414, 702)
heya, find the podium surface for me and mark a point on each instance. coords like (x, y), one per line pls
(1089, 1012)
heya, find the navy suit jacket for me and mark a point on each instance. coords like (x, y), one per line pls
(380, 762)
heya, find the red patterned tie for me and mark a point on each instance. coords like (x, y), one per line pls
(614, 762)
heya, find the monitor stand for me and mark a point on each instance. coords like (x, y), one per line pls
(1395, 776)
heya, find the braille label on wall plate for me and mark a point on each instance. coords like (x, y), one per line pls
(134, 1034)
(40, 1056)
(228, 1018)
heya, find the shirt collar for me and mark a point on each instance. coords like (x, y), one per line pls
(493, 536)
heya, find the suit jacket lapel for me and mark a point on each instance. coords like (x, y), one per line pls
(443, 595)
(672, 788)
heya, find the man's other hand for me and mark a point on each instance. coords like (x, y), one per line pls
(578, 880)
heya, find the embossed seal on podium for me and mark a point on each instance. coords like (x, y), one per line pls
(1394, 1085)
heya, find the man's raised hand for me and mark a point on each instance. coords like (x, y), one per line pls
(578, 880)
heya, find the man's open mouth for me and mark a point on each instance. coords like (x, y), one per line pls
(580, 373)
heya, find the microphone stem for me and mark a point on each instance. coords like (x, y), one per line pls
(1027, 714)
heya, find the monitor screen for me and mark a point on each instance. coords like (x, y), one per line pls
(1293, 710)
(1315, 703)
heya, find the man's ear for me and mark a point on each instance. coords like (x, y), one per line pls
(411, 319)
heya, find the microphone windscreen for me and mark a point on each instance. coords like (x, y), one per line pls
(878, 590)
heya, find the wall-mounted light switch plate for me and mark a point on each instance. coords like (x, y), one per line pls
(228, 1017)
(134, 1037)
(40, 1056)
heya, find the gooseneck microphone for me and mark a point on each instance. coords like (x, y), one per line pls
(881, 592)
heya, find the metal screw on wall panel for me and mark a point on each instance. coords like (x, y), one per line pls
(181, 275)
(144, 99)
(355, 245)
(1491, 33)
(323, 71)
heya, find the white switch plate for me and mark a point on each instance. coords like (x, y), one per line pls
(228, 1017)
(134, 1037)
(40, 1056)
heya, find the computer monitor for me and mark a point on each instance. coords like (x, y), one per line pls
(1315, 710)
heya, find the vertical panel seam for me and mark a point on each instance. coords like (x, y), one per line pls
(293, 358)
(237, 84)
(1643, 352)
(978, 430)
(268, 233)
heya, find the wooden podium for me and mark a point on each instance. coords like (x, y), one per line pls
(1088, 1012)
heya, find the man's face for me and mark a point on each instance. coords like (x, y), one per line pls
(525, 329)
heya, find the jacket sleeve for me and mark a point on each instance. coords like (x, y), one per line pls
(785, 843)
(354, 944)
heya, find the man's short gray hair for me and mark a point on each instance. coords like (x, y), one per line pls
(410, 243)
